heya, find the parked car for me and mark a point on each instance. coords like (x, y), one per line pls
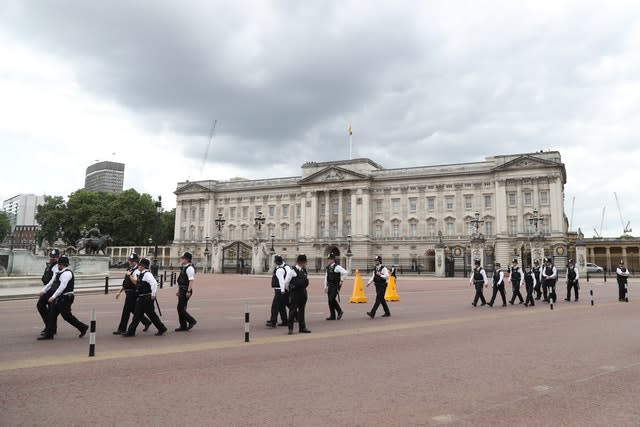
(592, 268)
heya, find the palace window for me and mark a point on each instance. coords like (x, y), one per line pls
(232, 233)
(243, 230)
(271, 230)
(450, 229)
(513, 227)
(527, 199)
(488, 202)
(431, 203)
(431, 229)
(272, 211)
(348, 207)
(449, 202)
(395, 229)
(232, 213)
(468, 201)
(546, 224)
(413, 229)
(512, 199)
(413, 204)
(378, 231)
(395, 205)
(245, 212)
(335, 207)
(297, 231)
(285, 211)
(379, 205)
(285, 231)
(544, 197)
(488, 227)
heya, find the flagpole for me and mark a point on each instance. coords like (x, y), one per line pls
(350, 142)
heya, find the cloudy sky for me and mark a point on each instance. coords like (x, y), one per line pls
(421, 82)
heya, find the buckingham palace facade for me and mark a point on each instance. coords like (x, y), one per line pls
(358, 209)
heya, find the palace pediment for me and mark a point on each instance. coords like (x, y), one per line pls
(333, 174)
(526, 162)
(192, 187)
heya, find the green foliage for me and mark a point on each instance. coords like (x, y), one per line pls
(5, 225)
(128, 217)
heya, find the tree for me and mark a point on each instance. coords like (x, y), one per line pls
(51, 217)
(167, 226)
(5, 225)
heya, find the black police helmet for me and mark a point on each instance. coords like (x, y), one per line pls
(187, 256)
(301, 258)
(331, 256)
(379, 258)
(514, 261)
(536, 262)
(134, 257)
(621, 262)
(497, 264)
(476, 261)
(145, 262)
(55, 253)
(278, 259)
(63, 260)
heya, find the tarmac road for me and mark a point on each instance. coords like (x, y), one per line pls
(436, 361)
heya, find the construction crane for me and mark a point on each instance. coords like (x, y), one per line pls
(206, 153)
(598, 234)
(625, 228)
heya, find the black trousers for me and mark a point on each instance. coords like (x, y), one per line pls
(128, 308)
(43, 308)
(332, 297)
(62, 306)
(279, 305)
(515, 293)
(479, 294)
(572, 285)
(551, 289)
(183, 316)
(529, 299)
(144, 305)
(496, 289)
(545, 295)
(298, 303)
(380, 301)
(538, 289)
(622, 290)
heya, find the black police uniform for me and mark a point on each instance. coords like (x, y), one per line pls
(549, 284)
(43, 302)
(622, 284)
(498, 287)
(538, 287)
(298, 298)
(381, 289)
(515, 277)
(333, 289)
(529, 279)
(186, 320)
(130, 303)
(144, 306)
(572, 283)
(62, 306)
(478, 282)
(280, 299)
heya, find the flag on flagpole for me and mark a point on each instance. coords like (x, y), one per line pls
(350, 131)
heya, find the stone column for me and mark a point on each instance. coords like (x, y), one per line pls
(340, 216)
(440, 261)
(327, 213)
(366, 210)
(354, 217)
(608, 252)
(581, 258)
(624, 255)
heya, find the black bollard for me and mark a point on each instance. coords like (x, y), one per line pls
(604, 273)
(246, 323)
(165, 275)
(161, 281)
(587, 277)
(106, 285)
(92, 334)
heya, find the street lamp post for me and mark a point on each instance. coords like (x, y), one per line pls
(349, 253)
(206, 253)
(272, 248)
(220, 221)
(259, 220)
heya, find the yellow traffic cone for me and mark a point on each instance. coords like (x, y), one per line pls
(392, 292)
(358, 295)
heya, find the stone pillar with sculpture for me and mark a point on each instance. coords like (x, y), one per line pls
(440, 257)
(477, 240)
(581, 254)
(216, 255)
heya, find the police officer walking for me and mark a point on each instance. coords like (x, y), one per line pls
(298, 294)
(529, 281)
(185, 291)
(622, 275)
(479, 280)
(129, 289)
(538, 286)
(279, 282)
(572, 280)
(333, 279)
(498, 285)
(43, 301)
(146, 288)
(379, 278)
(549, 278)
(516, 280)
(62, 286)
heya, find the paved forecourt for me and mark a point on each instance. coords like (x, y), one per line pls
(437, 360)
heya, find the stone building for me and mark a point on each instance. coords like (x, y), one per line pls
(422, 219)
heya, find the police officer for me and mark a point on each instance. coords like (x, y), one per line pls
(298, 294)
(379, 278)
(185, 290)
(332, 283)
(479, 280)
(529, 282)
(498, 285)
(572, 280)
(549, 279)
(538, 286)
(622, 275)
(50, 270)
(516, 278)
(129, 289)
(146, 288)
(279, 282)
(60, 301)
